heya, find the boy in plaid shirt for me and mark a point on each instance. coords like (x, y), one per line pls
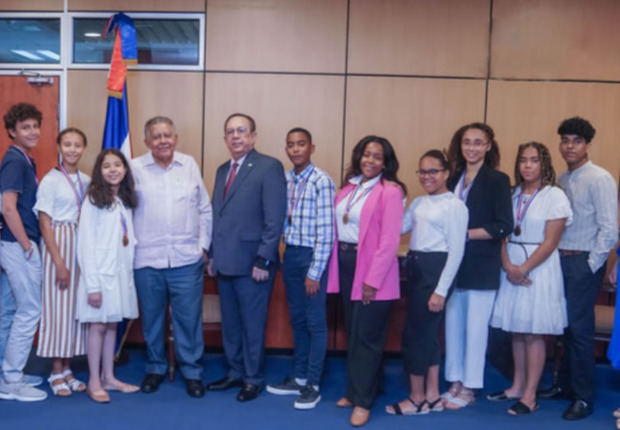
(308, 235)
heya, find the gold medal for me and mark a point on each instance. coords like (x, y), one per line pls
(345, 218)
(125, 240)
(517, 231)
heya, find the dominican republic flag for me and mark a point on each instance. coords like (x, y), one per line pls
(116, 131)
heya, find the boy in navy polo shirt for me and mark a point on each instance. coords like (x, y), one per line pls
(19, 253)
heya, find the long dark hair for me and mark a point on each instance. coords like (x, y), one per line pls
(99, 191)
(390, 162)
(455, 154)
(547, 173)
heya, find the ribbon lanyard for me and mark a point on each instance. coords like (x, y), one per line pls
(79, 195)
(464, 190)
(29, 161)
(124, 227)
(294, 200)
(349, 205)
(521, 213)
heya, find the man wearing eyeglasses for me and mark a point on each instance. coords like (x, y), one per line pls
(249, 206)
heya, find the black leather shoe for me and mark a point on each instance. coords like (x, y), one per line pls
(577, 410)
(195, 387)
(553, 392)
(151, 382)
(248, 392)
(224, 384)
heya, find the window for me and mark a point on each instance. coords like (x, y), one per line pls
(161, 41)
(30, 40)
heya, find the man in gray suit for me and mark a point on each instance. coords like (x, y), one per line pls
(249, 206)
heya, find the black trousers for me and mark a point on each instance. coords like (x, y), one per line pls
(366, 327)
(421, 348)
(581, 287)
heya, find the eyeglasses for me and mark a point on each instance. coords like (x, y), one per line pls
(240, 130)
(431, 172)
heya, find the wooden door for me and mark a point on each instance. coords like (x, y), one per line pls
(16, 89)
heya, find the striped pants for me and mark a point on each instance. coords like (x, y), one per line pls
(60, 334)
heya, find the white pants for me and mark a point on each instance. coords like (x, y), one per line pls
(467, 330)
(25, 281)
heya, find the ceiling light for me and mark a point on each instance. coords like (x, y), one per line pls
(26, 54)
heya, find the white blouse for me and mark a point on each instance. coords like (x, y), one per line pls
(56, 197)
(438, 224)
(349, 232)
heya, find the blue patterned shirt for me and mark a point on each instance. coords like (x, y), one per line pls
(312, 215)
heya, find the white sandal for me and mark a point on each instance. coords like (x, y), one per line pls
(74, 384)
(61, 389)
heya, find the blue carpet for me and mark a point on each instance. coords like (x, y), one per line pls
(171, 408)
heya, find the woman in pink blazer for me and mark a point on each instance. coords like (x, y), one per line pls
(363, 265)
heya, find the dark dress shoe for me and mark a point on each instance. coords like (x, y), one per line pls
(195, 387)
(553, 392)
(151, 382)
(577, 410)
(248, 392)
(224, 384)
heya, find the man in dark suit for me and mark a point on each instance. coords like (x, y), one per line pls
(249, 206)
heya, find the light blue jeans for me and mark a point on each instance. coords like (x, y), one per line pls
(7, 310)
(25, 281)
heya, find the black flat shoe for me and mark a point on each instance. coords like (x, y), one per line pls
(224, 384)
(151, 382)
(499, 396)
(553, 392)
(577, 410)
(195, 387)
(248, 392)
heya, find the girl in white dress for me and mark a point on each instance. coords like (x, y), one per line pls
(106, 293)
(530, 302)
(59, 202)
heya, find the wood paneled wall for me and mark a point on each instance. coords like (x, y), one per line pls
(410, 70)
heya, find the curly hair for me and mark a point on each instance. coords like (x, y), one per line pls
(579, 126)
(547, 173)
(390, 162)
(21, 112)
(99, 191)
(455, 154)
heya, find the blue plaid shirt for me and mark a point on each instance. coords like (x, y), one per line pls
(313, 216)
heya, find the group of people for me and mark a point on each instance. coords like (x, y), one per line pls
(527, 259)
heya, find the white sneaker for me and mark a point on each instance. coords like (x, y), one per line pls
(21, 391)
(32, 380)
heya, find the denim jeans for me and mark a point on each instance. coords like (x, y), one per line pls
(307, 313)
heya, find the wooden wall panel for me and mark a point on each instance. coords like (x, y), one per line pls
(556, 39)
(277, 103)
(419, 37)
(174, 94)
(524, 111)
(32, 5)
(415, 115)
(138, 5)
(276, 35)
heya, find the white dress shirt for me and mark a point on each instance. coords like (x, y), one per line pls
(593, 198)
(173, 220)
(350, 231)
(438, 223)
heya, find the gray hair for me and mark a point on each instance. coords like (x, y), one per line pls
(157, 120)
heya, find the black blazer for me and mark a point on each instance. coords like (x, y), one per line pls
(490, 207)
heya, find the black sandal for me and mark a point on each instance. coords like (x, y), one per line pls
(521, 408)
(417, 411)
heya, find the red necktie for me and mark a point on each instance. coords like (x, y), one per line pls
(231, 178)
